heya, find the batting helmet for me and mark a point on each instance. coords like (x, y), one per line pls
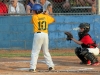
(37, 8)
(86, 26)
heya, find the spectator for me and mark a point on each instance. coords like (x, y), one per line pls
(66, 4)
(60, 5)
(47, 6)
(22, 1)
(6, 2)
(29, 4)
(16, 8)
(3, 9)
(77, 3)
(91, 3)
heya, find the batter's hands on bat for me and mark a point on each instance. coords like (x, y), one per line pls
(44, 12)
(48, 10)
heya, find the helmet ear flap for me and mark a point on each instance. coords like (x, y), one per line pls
(39, 11)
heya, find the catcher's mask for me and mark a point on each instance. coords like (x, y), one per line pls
(86, 27)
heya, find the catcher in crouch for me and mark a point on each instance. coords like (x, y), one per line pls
(88, 50)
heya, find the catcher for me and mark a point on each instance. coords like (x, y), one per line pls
(88, 50)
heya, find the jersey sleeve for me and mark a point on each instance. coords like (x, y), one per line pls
(50, 19)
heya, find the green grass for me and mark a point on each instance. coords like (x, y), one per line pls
(14, 55)
(29, 54)
(62, 54)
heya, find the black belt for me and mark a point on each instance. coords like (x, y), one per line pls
(38, 32)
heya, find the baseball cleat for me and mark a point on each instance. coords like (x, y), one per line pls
(96, 64)
(51, 69)
(88, 62)
(32, 70)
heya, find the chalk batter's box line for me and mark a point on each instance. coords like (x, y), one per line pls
(70, 71)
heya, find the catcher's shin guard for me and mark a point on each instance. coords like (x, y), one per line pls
(78, 52)
(89, 56)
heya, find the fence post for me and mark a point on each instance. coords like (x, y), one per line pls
(98, 7)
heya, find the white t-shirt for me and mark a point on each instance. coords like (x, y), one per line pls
(45, 6)
(19, 9)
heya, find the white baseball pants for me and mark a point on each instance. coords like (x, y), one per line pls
(40, 40)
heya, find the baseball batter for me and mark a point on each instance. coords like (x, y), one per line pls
(40, 23)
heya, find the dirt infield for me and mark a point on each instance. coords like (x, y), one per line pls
(64, 65)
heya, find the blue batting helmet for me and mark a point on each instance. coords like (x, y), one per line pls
(37, 8)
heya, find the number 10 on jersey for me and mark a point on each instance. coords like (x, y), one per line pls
(42, 25)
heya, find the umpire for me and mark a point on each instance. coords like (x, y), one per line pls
(88, 50)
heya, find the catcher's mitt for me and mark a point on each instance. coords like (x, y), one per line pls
(69, 36)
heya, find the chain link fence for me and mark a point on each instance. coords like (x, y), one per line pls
(76, 8)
